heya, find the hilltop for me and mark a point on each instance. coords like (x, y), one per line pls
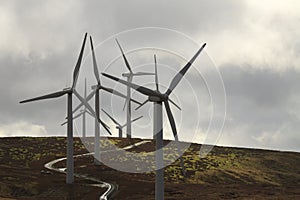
(225, 173)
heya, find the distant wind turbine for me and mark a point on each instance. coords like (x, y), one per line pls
(159, 99)
(118, 125)
(69, 92)
(129, 77)
(96, 91)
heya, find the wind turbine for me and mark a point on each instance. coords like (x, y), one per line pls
(96, 91)
(69, 92)
(118, 125)
(157, 89)
(159, 99)
(129, 77)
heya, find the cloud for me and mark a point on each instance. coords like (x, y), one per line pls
(21, 129)
(38, 27)
(266, 36)
(260, 104)
(255, 44)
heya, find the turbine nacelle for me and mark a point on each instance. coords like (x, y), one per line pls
(68, 89)
(95, 87)
(127, 74)
(154, 99)
(131, 74)
(159, 98)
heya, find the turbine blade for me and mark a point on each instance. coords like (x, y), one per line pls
(125, 103)
(156, 75)
(88, 112)
(142, 104)
(174, 104)
(73, 118)
(64, 123)
(135, 101)
(115, 92)
(112, 91)
(174, 130)
(171, 119)
(143, 74)
(47, 96)
(124, 57)
(85, 103)
(87, 100)
(77, 67)
(105, 126)
(85, 88)
(96, 72)
(182, 72)
(115, 121)
(131, 121)
(141, 89)
(79, 114)
(136, 119)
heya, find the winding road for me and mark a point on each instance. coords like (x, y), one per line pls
(111, 188)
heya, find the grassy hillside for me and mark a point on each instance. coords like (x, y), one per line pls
(225, 173)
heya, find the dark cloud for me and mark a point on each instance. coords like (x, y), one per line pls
(260, 101)
(190, 16)
(40, 43)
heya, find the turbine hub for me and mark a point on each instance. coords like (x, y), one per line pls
(94, 87)
(154, 99)
(67, 88)
(126, 74)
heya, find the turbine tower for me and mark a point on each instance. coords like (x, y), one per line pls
(129, 77)
(69, 92)
(159, 99)
(84, 113)
(118, 125)
(81, 113)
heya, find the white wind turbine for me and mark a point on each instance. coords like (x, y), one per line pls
(129, 77)
(118, 125)
(161, 98)
(157, 89)
(96, 91)
(69, 92)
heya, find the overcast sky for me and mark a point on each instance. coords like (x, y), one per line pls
(254, 43)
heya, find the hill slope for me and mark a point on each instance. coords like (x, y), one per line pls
(225, 173)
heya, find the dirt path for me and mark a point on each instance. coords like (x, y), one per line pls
(111, 188)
